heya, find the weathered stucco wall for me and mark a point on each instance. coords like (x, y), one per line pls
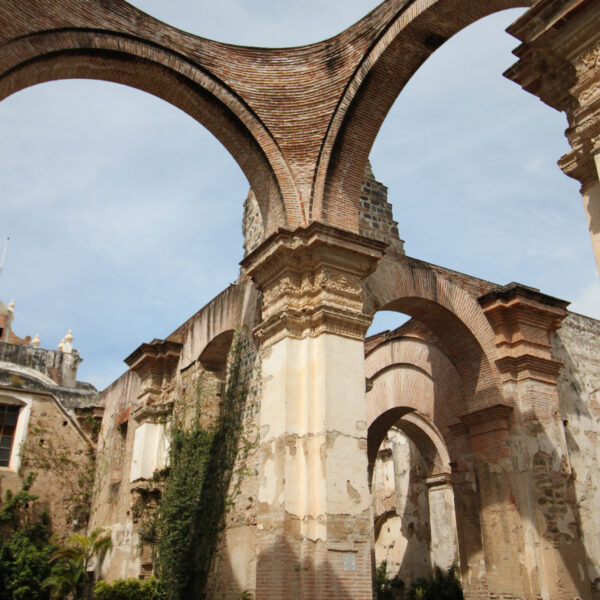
(112, 507)
(53, 446)
(576, 345)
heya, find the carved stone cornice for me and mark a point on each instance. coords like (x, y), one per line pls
(546, 75)
(152, 413)
(155, 363)
(559, 61)
(579, 164)
(523, 319)
(159, 357)
(588, 62)
(312, 282)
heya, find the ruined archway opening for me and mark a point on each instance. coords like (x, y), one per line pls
(121, 209)
(436, 322)
(413, 502)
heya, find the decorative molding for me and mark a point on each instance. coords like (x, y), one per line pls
(587, 61)
(559, 61)
(312, 282)
(156, 358)
(155, 363)
(438, 480)
(579, 165)
(487, 420)
(152, 413)
(523, 319)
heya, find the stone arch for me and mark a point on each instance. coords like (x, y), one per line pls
(80, 53)
(437, 299)
(411, 35)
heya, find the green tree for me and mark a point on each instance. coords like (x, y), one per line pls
(73, 559)
(25, 546)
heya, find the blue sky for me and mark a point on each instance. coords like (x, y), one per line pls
(125, 214)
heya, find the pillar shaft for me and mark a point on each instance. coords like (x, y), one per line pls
(314, 519)
(536, 468)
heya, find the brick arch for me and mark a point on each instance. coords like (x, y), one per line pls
(424, 387)
(44, 56)
(451, 312)
(422, 432)
(408, 39)
(208, 334)
(412, 372)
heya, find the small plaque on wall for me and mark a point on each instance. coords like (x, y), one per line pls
(349, 561)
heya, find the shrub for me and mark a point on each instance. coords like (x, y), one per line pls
(441, 586)
(128, 589)
(387, 588)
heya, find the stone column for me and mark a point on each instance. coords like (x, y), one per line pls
(499, 519)
(537, 464)
(442, 520)
(314, 520)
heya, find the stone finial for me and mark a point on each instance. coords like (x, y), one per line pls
(68, 346)
(11, 306)
(61, 345)
(36, 341)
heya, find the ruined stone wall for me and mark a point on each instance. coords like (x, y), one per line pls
(164, 378)
(252, 224)
(375, 219)
(575, 344)
(61, 367)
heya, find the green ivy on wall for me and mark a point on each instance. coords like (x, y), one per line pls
(186, 527)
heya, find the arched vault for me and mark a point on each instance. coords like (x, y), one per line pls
(300, 121)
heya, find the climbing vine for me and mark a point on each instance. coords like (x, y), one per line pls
(186, 527)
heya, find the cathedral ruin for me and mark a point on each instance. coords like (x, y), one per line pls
(468, 434)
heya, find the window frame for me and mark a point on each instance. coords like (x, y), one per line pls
(24, 404)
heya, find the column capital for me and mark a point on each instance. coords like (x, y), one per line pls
(559, 61)
(523, 319)
(155, 363)
(312, 282)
